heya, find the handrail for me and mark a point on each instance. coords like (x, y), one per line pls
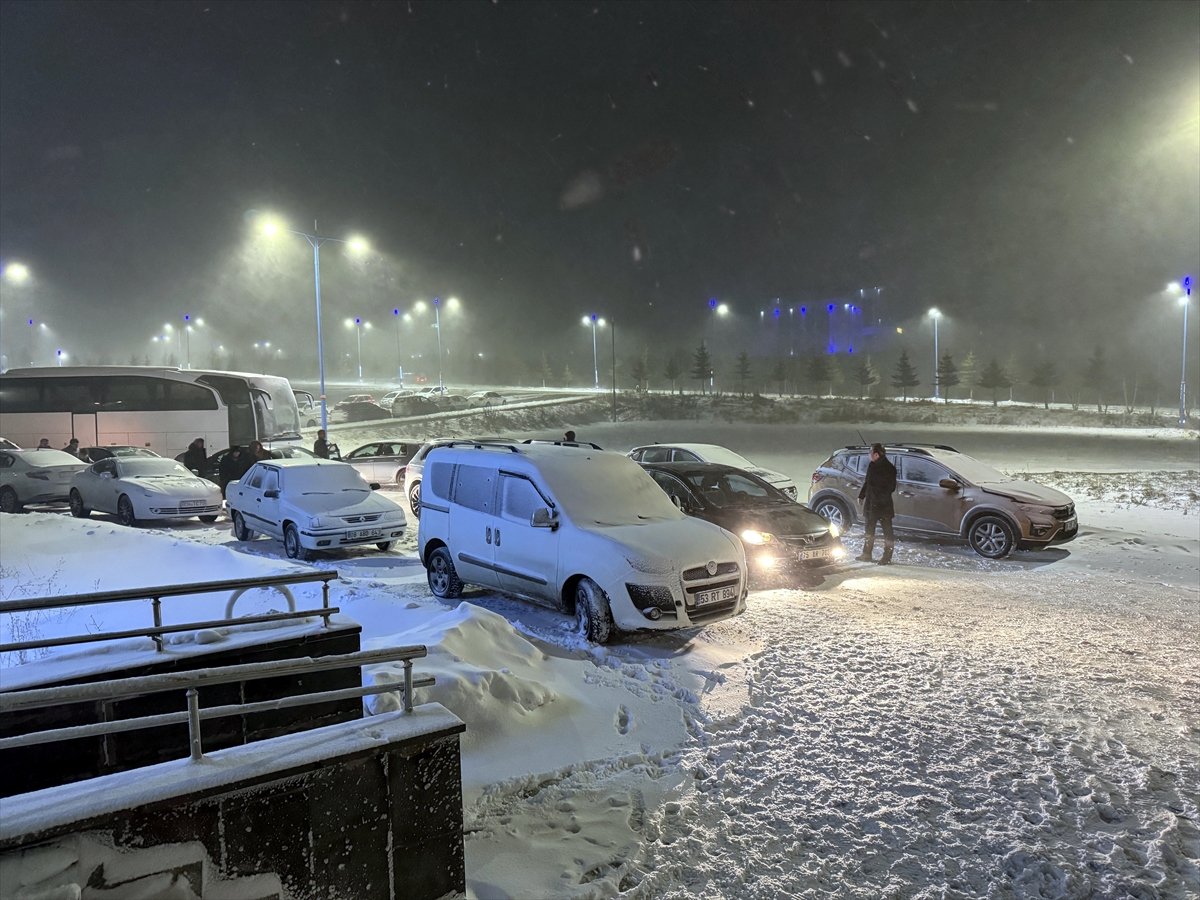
(15, 701)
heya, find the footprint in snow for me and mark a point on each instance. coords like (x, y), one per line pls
(624, 720)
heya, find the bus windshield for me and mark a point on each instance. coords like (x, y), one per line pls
(275, 410)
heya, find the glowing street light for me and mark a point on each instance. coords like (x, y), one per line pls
(61, 354)
(357, 245)
(16, 273)
(1185, 295)
(358, 325)
(935, 315)
(595, 323)
(718, 309)
(396, 317)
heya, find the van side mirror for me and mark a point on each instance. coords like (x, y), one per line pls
(949, 484)
(544, 517)
(271, 495)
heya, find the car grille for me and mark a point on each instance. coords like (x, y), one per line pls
(712, 611)
(187, 511)
(1062, 513)
(804, 541)
(358, 520)
(656, 595)
(725, 568)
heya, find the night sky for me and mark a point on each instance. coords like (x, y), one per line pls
(1031, 169)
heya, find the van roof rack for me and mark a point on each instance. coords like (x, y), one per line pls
(587, 444)
(918, 448)
(480, 445)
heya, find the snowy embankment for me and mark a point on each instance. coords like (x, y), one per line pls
(950, 726)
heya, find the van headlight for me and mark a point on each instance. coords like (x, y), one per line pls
(757, 537)
(834, 530)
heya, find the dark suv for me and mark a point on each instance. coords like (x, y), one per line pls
(940, 491)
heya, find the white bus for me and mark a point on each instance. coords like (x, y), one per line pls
(160, 408)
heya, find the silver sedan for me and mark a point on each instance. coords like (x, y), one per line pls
(35, 476)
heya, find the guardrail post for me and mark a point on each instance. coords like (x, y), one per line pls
(408, 688)
(325, 601)
(193, 699)
(157, 638)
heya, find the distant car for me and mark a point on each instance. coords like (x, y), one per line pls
(780, 536)
(416, 405)
(136, 488)
(35, 476)
(309, 407)
(711, 453)
(6, 444)
(484, 399)
(355, 398)
(362, 411)
(312, 504)
(383, 461)
(433, 391)
(391, 397)
(449, 402)
(95, 454)
(940, 491)
(212, 466)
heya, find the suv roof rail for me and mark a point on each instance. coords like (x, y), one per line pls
(917, 448)
(479, 445)
(565, 443)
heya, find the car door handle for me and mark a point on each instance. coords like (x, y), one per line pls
(489, 534)
(497, 537)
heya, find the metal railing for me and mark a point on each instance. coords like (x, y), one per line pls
(155, 595)
(124, 688)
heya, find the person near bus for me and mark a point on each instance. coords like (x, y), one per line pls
(321, 445)
(73, 448)
(196, 456)
(44, 444)
(259, 452)
(233, 467)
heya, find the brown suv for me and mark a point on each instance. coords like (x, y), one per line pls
(939, 491)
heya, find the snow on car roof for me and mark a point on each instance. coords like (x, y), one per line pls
(303, 462)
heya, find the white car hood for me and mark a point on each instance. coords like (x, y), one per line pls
(173, 486)
(336, 504)
(672, 545)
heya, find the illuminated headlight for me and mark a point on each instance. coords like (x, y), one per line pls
(757, 537)
(838, 552)
(834, 530)
(767, 562)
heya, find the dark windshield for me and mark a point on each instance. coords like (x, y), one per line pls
(729, 489)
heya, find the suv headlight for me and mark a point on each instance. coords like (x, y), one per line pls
(757, 537)
(834, 530)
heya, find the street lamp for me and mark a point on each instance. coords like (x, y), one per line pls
(358, 325)
(595, 323)
(357, 245)
(61, 356)
(1185, 290)
(718, 309)
(936, 380)
(262, 347)
(17, 273)
(451, 304)
(396, 316)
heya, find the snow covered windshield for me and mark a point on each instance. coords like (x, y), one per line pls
(597, 488)
(275, 409)
(715, 454)
(142, 468)
(973, 470)
(325, 479)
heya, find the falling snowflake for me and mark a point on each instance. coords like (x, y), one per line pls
(818, 77)
(844, 59)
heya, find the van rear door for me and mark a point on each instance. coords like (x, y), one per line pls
(472, 533)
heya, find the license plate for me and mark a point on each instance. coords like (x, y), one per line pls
(363, 535)
(1071, 524)
(65, 476)
(190, 504)
(814, 554)
(703, 598)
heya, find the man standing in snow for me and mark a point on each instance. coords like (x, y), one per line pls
(876, 498)
(321, 445)
(196, 456)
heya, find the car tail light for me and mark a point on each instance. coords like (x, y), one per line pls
(40, 476)
(817, 476)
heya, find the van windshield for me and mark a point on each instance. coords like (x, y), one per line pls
(594, 488)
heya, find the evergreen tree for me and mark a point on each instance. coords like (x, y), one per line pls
(779, 375)
(567, 376)
(968, 372)
(818, 371)
(865, 375)
(133, 360)
(743, 370)
(905, 375)
(947, 375)
(1096, 375)
(545, 373)
(1011, 368)
(701, 366)
(639, 371)
(994, 378)
(673, 370)
(1044, 377)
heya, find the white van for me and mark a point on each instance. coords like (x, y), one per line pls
(582, 530)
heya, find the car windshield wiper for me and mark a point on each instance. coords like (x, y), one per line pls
(309, 493)
(354, 489)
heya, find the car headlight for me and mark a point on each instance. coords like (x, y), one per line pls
(314, 522)
(834, 530)
(757, 537)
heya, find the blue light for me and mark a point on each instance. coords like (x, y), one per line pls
(187, 318)
(395, 312)
(777, 313)
(803, 310)
(31, 321)
(712, 303)
(832, 348)
(593, 317)
(436, 301)
(358, 321)
(830, 307)
(850, 350)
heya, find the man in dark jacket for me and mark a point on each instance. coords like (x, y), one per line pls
(232, 467)
(196, 456)
(321, 445)
(876, 498)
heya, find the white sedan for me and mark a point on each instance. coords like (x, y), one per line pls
(312, 505)
(137, 488)
(35, 476)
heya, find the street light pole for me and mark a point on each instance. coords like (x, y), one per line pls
(1186, 300)
(595, 357)
(358, 329)
(937, 381)
(399, 358)
(437, 323)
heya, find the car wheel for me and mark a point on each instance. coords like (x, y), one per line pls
(414, 499)
(8, 501)
(125, 513)
(592, 614)
(443, 579)
(291, 543)
(240, 531)
(78, 510)
(385, 546)
(991, 537)
(208, 520)
(835, 511)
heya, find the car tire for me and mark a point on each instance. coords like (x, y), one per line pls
(592, 613)
(443, 579)
(991, 537)
(385, 546)
(240, 531)
(835, 511)
(414, 499)
(125, 514)
(291, 543)
(78, 510)
(208, 520)
(8, 501)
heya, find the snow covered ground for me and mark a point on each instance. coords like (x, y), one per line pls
(947, 727)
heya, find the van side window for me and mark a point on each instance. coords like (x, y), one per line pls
(519, 499)
(438, 481)
(858, 463)
(474, 487)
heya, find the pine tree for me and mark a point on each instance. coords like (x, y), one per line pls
(833, 373)
(968, 372)
(1044, 377)
(1096, 375)
(639, 371)
(865, 375)
(701, 366)
(905, 375)
(994, 378)
(567, 376)
(743, 370)
(817, 372)
(1011, 368)
(545, 373)
(779, 375)
(673, 370)
(947, 375)
(1152, 388)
